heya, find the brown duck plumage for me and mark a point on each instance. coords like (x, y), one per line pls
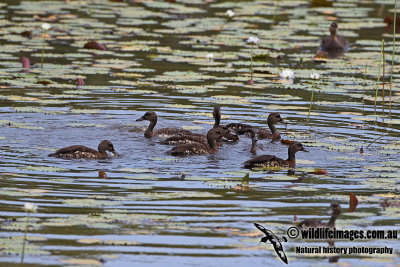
(184, 139)
(200, 138)
(165, 132)
(335, 45)
(78, 151)
(225, 132)
(198, 148)
(274, 161)
(262, 133)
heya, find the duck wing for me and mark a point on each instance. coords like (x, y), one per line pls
(264, 161)
(73, 149)
(184, 139)
(311, 224)
(264, 134)
(189, 149)
(167, 132)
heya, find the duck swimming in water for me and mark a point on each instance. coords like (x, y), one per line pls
(79, 151)
(199, 148)
(273, 119)
(334, 211)
(334, 45)
(274, 161)
(252, 134)
(165, 132)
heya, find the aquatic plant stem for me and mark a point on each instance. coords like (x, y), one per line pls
(383, 81)
(44, 42)
(394, 45)
(363, 92)
(311, 101)
(379, 75)
(251, 64)
(276, 10)
(23, 244)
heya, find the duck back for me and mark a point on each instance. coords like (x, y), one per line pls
(77, 152)
(265, 161)
(184, 139)
(190, 149)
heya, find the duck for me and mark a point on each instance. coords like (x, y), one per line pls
(199, 148)
(165, 132)
(335, 210)
(79, 151)
(262, 133)
(226, 133)
(334, 45)
(201, 138)
(274, 161)
(252, 134)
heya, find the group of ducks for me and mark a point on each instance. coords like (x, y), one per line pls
(188, 143)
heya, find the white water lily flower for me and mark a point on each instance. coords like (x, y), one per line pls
(29, 207)
(286, 74)
(230, 13)
(314, 76)
(210, 56)
(253, 40)
(46, 26)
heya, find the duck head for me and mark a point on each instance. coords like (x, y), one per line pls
(274, 118)
(148, 116)
(106, 145)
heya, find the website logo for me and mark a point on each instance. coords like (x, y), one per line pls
(274, 240)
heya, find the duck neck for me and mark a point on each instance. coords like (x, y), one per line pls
(149, 130)
(271, 126)
(333, 32)
(274, 132)
(212, 142)
(291, 155)
(253, 146)
(332, 220)
(217, 119)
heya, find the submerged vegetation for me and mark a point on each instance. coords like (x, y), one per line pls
(90, 69)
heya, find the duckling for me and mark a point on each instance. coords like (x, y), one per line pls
(334, 211)
(152, 117)
(198, 148)
(335, 45)
(78, 151)
(273, 119)
(274, 161)
(252, 134)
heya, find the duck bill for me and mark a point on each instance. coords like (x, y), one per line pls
(140, 119)
(114, 153)
(304, 150)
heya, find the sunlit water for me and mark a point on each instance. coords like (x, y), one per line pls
(144, 212)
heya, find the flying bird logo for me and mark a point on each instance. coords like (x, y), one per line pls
(275, 241)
